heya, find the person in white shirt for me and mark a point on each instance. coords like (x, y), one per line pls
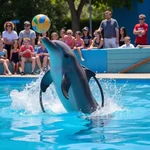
(127, 44)
(9, 36)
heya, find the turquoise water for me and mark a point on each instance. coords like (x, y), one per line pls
(123, 124)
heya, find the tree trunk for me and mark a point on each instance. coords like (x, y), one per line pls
(75, 13)
(75, 23)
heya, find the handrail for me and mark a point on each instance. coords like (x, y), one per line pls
(136, 65)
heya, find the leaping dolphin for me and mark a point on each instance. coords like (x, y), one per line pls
(70, 79)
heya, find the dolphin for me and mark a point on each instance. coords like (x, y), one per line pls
(71, 80)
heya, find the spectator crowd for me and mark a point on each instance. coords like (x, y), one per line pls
(20, 49)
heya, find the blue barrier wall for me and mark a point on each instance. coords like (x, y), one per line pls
(128, 18)
(96, 59)
(120, 59)
(108, 60)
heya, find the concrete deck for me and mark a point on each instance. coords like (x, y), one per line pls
(124, 76)
(103, 75)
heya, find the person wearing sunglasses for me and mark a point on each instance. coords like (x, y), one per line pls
(141, 31)
(9, 36)
(27, 33)
(69, 39)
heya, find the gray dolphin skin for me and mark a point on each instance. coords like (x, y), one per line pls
(70, 79)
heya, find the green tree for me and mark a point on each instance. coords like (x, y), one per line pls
(26, 9)
(76, 10)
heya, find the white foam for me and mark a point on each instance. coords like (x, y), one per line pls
(27, 100)
(109, 108)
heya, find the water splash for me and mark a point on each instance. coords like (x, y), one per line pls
(27, 100)
(112, 96)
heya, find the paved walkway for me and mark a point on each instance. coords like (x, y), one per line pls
(124, 76)
(102, 75)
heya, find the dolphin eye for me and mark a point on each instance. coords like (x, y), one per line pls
(66, 56)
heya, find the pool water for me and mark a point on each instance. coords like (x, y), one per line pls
(124, 122)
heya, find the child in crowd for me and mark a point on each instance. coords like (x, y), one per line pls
(127, 43)
(27, 55)
(14, 57)
(42, 57)
(62, 35)
(69, 39)
(98, 40)
(79, 44)
(3, 58)
(54, 36)
(87, 38)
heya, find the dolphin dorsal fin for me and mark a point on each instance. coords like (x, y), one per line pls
(46, 81)
(65, 85)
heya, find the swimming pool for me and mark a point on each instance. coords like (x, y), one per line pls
(124, 122)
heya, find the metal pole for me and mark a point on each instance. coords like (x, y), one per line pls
(90, 16)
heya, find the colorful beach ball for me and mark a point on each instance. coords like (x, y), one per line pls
(41, 23)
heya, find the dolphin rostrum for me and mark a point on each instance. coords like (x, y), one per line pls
(71, 80)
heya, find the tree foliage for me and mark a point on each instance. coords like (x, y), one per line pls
(115, 3)
(77, 9)
(57, 10)
(26, 9)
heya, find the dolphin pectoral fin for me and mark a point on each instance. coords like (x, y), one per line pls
(46, 81)
(65, 85)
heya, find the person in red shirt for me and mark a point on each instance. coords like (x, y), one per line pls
(141, 31)
(27, 55)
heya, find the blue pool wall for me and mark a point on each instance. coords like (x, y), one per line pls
(108, 60)
(128, 18)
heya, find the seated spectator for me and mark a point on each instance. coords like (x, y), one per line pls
(54, 36)
(69, 39)
(27, 55)
(98, 40)
(9, 36)
(122, 35)
(62, 35)
(127, 43)
(14, 57)
(42, 57)
(3, 58)
(87, 38)
(79, 44)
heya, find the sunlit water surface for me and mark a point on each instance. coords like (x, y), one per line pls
(124, 122)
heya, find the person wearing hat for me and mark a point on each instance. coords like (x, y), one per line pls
(9, 36)
(27, 33)
(87, 38)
